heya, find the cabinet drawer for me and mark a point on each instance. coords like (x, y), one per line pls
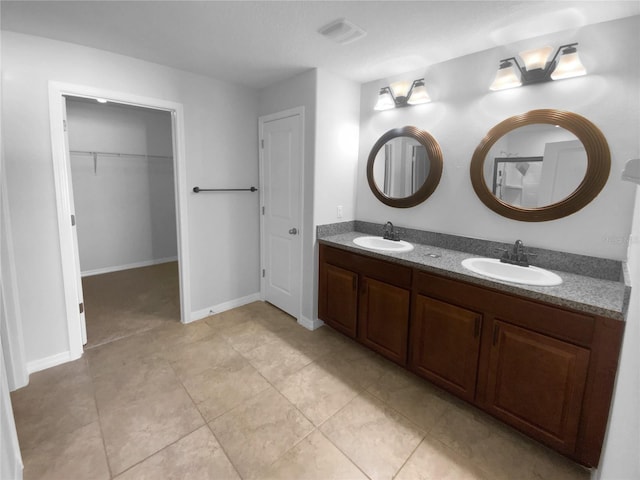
(551, 320)
(379, 269)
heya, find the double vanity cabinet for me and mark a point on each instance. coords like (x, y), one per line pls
(546, 370)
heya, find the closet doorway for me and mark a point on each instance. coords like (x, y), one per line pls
(122, 177)
(121, 161)
(122, 212)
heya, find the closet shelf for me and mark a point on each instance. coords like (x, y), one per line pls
(118, 154)
(114, 154)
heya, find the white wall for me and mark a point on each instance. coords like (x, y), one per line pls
(336, 157)
(464, 109)
(221, 150)
(125, 206)
(620, 459)
(336, 162)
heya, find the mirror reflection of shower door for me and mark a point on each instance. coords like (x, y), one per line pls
(419, 168)
(388, 168)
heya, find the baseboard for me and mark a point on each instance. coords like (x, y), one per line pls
(117, 268)
(48, 362)
(221, 307)
(310, 324)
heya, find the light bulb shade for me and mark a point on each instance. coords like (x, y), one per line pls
(506, 77)
(401, 88)
(385, 100)
(569, 65)
(419, 95)
(537, 58)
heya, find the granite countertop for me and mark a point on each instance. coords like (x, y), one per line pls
(585, 294)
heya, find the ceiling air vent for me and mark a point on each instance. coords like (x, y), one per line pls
(342, 31)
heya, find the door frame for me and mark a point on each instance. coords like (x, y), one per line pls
(292, 112)
(63, 186)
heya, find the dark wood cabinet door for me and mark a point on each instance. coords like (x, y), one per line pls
(445, 342)
(536, 383)
(341, 299)
(384, 319)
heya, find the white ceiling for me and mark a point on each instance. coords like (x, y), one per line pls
(257, 43)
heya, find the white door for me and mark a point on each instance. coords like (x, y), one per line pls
(281, 166)
(76, 253)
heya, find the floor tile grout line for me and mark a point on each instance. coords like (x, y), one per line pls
(470, 459)
(298, 442)
(344, 453)
(272, 384)
(95, 401)
(132, 334)
(228, 410)
(224, 450)
(252, 398)
(175, 441)
(258, 370)
(158, 451)
(275, 387)
(405, 416)
(164, 447)
(409, 457)
(364, 390)
(81, 425)
(205, 423)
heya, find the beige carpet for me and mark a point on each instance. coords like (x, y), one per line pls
(124, 303)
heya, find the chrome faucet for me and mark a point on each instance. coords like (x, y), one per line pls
(517, 256)
(518, 250)
(389, 233)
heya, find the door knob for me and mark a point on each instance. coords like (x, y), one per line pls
(293, 231)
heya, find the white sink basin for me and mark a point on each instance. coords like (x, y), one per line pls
(383, 245)
(494, 268)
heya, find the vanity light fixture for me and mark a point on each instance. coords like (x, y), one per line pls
(402, 94)
(537, 68)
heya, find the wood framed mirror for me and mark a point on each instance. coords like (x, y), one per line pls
(404, 167)
(540, 165)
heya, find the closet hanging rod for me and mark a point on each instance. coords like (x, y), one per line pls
(198, 189)
(117, 154)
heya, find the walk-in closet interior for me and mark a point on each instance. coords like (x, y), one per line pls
(123, 190)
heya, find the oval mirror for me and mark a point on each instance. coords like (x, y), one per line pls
(541, 165)
(404, 167)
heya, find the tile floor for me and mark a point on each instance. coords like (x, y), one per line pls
(249, 394)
